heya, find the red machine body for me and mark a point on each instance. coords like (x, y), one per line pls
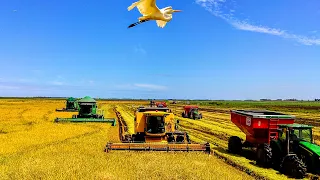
(260, 126)
(163, 104)
(189, 107)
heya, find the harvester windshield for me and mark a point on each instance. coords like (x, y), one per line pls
(155, 124)
(70, 105)
(86, 109)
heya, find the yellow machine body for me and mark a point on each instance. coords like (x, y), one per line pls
(155, 129)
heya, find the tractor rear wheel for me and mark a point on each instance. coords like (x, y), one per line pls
(234, 145)
(293, 166)
(264, 155)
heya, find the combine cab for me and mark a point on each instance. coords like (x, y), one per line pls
(191, 112)
(155, 130)
(278, 142)
(71, 105)
(88, 112)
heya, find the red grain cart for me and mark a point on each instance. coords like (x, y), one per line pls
(191, 111)
(161, 104)
(260, 127)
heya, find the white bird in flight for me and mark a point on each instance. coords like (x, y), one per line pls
(150, 11)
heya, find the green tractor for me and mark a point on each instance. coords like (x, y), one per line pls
(88, 112)
(294, 152)
(71, 105)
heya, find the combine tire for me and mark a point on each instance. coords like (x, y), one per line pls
(264, 155)
(179, 139)
(182, 114)
(292, 166)
(234, 145)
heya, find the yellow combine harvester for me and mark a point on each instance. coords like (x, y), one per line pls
(155, 130)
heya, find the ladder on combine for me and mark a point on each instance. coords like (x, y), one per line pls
(273, 129)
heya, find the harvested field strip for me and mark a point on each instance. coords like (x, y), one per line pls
(128, 118)
(203, 137)
(208, 127)
(214, 122)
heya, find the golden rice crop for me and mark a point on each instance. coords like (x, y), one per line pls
(33, 147)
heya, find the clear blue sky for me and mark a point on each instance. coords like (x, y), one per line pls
(214, 49)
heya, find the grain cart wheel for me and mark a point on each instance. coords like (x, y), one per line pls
(264, 155)
(293, 166)
(193, 116)
(234, 145)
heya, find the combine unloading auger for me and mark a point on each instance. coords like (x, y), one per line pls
(155, 130)
(88, 112)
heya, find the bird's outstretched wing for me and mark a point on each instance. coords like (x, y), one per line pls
(145, 7)
(161, 23)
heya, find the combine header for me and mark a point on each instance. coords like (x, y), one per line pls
(277, 141)
(155, 130)
(88, 112)
(71, 105)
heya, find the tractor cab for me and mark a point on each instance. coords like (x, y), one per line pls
(293, 135)
(297, 132)
(194, 110)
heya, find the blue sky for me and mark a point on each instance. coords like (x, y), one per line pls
(214, 49)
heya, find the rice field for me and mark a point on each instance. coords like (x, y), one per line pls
(32, 146)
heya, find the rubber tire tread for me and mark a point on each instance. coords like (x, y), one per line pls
(234, 145)
(293, 166)
(267, 153)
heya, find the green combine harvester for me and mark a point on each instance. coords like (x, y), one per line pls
(88, 112)
(71, 105)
